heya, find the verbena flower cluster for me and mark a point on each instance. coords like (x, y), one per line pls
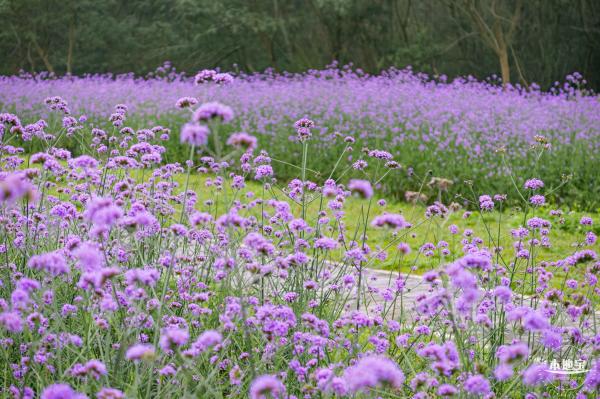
(122, 276)
(463, 129)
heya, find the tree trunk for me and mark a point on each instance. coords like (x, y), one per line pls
(504, 65)
(30, 58)
(502, 51)
(70, 48)
(44, 56)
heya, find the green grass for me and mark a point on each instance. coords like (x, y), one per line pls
(493, 228)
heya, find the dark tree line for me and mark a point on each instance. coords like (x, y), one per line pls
(520, 40)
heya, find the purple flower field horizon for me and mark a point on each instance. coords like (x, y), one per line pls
(455, 129)
(398, 98)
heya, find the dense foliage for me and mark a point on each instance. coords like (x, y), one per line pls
(120, 279)
(524, 40)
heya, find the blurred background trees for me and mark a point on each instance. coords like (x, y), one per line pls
(522, 41)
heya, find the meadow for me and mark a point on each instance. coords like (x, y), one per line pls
(213, 237)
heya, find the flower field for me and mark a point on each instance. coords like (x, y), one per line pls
(216, 237)
(459, 130)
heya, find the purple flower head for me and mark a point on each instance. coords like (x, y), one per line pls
(326, 243)
(535, 321)
(477, 385)
(61, 391)
(263, 171)
(267, 387)
(200, 218)
(51, 262)
(303, 127)
(534, 184)
(14, 187)
(12, 119)
(583, 256)
(586, 221)
(11, 321)
(512, 353)
(186, 102)
(551, 340)
(503, 372)
(592, 379)
(380, 154)
(205, 75)
(445, 358)
(102, 212)
(590, 238)
(140, 352)
(453, 229)
(89, 256)
(371, 372)
(537, 223)
(361, 164)
(260, 244)
(486, 203)
(537, 374)
(213, 110)
(361, 187)
(93, 368)
(391, 220)
(223, 78)
(404, 248)
(207, 340)
(242, 140)
(110, 393)
(168, 370)
(446, 390)
(537, 200)
(173, 337)
(84, 162)
(194, 134)
(503, 293)
(304, 123)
